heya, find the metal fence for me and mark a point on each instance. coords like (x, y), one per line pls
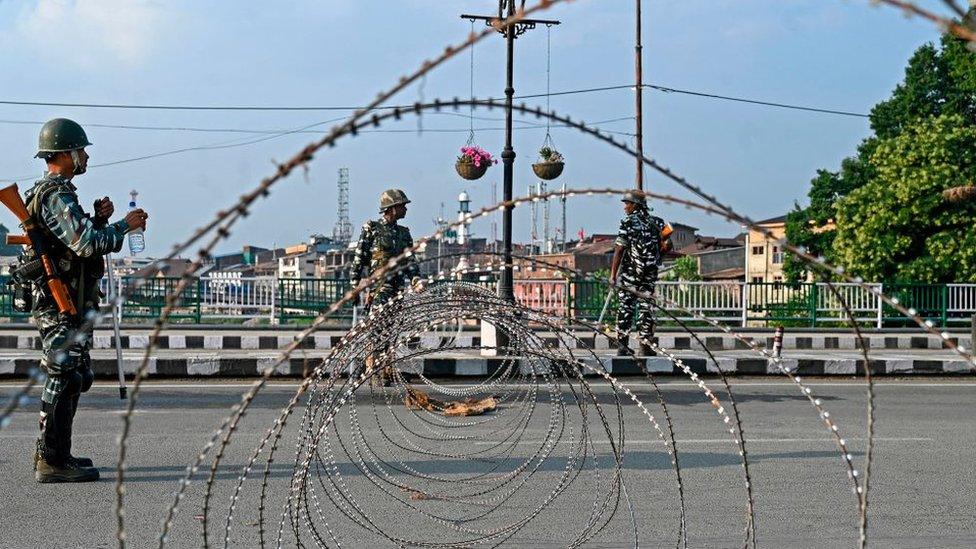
(272, 300)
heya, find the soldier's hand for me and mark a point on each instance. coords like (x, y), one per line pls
(136, 219)
(417, 284)
(104, 208)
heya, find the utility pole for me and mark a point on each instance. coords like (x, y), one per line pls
(562, 231)
(546, 244)
(494, 216)
(506, 9)
(534, 207)
(638, 49)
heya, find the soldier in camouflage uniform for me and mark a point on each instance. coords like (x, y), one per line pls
(641, 241)
(77, 242)
(380, 241)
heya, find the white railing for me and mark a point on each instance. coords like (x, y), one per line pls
(961, 298)
(716, 300)
(863, 305)
(547, 296)
(238, 297)
(731, 302)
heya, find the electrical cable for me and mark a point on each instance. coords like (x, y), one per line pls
(666, 89)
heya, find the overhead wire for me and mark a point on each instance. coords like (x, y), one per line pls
(274, 134)
(657, 87)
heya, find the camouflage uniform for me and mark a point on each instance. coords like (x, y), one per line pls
(640, 235)
(380, 242)
(77, 242)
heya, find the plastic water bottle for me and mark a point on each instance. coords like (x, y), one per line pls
(137, 240)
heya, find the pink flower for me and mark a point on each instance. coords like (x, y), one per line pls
(476, 156)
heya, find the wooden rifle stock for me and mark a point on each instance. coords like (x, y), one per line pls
(10, 197)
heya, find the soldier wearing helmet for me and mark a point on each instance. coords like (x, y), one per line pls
(380, 241)
(77, 241)
(641, 242)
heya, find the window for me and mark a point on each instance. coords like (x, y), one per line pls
(758, 250)
(777, 256)
(757, 280)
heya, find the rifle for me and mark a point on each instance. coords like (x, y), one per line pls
(10, 197)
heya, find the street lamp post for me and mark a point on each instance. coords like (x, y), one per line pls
(506, 9)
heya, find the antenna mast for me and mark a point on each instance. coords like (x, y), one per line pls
(342, 232)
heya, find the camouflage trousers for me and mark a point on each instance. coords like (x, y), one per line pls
(382, 294)
(378, 368)
(67, 363)
(634, 310)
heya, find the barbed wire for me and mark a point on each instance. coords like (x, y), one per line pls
(307, 451)
(945, 24)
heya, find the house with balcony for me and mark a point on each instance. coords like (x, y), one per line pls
(764, 253)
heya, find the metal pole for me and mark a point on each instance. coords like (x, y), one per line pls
(505, 288)
(640, 98)
(116, 303)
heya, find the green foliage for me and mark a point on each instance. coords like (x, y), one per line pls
(684, 269)
(939, 82)
(549, 154)
(897, 227)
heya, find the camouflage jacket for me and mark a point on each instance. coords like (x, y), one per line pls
(76, 240)
(640, 233)
(378, 243)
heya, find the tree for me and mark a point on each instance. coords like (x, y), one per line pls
(898, 227)
(684, 269)
(938, 81)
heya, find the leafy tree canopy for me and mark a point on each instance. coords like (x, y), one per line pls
(939, 82)
(897, 227)
(684, 269)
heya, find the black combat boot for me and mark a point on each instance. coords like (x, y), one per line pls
(623, 349)
(646, 350)
(77, 461)
(64, 472)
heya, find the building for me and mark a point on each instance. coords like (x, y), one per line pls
(335, 263)
(302, 260)
(718, 258)
(129, 265)
(298, 262)
(683, 235)
(8, 254)
(764, 254)
(6, 250)
(164, 268)
(721, 263)
(592, 254)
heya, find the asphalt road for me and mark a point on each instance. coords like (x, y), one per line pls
(923, 489)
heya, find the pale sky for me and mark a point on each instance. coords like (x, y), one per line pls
(836, 54)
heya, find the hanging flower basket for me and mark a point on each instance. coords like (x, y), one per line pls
(548, 170)
(473, 162)
(550, 164)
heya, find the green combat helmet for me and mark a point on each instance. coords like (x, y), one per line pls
(60, 135)
(392, 197)
(634, 198)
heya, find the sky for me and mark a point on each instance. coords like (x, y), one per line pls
(836, 54)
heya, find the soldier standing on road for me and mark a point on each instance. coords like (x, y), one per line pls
(77, 242)
(381, 240)
(641, 242)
